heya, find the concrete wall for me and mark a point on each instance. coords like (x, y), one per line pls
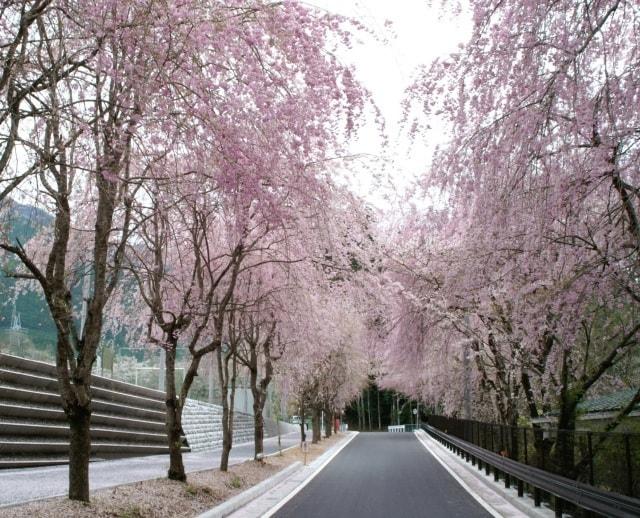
(202, 425)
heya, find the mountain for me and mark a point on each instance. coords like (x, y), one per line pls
(24, 222)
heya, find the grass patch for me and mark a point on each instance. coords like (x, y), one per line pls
(198, 490)
(131, 512)
(235, 482)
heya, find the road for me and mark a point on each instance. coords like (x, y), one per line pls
(383, 475)
(23, 485)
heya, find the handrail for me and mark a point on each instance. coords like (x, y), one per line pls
(578, 493)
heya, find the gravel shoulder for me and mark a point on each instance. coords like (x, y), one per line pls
(162, 498)
(29, 484)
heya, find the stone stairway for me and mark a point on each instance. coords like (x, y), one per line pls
(127, 420)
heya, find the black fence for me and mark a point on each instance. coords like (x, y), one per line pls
(564, 494)
(608, 461)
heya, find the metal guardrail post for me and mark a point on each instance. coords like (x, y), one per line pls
(479, 443)
(627, 451)
(491, 428)
(557, 507)
(590, 453)
(537, 497)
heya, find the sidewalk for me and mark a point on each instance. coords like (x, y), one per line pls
(25, 485)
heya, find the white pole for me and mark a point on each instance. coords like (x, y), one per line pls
(211, 367)
(161, 370)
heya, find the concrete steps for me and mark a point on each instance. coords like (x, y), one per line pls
(19, 462)
(28, 429)
(126, 420)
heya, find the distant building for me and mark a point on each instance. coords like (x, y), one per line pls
(596, 412)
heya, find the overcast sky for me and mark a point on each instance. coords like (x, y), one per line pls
(419, 34)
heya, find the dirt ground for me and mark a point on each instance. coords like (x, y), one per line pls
(162, 498)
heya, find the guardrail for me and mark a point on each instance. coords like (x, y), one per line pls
(606, 460)
(396, 428)
(563, 489)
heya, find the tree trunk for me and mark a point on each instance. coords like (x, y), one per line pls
(369, 405)
(327, 423)
(228, 397)
(316, 425)
(224, 388)
(226, 440)
(379, 416)
(279, 435)
(392, 411)
(303, 435)
(564, 457)
(258, 431)
(79, 452)
(259, 393)
(174, 434)
(173, 422)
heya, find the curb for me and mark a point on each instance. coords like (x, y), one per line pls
(241, 499)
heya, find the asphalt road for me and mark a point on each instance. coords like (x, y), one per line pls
(23, 485)
(383, 475)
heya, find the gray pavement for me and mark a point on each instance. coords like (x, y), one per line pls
(382, 475)
(23, 485)
(268, 503)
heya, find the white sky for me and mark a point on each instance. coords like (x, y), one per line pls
(419, 34)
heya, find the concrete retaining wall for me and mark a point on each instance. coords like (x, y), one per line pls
(202, 425)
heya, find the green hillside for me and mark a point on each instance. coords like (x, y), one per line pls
(25, 222)
(38, 335)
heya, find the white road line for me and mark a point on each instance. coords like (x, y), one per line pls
(293, 493)
(475, 495)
